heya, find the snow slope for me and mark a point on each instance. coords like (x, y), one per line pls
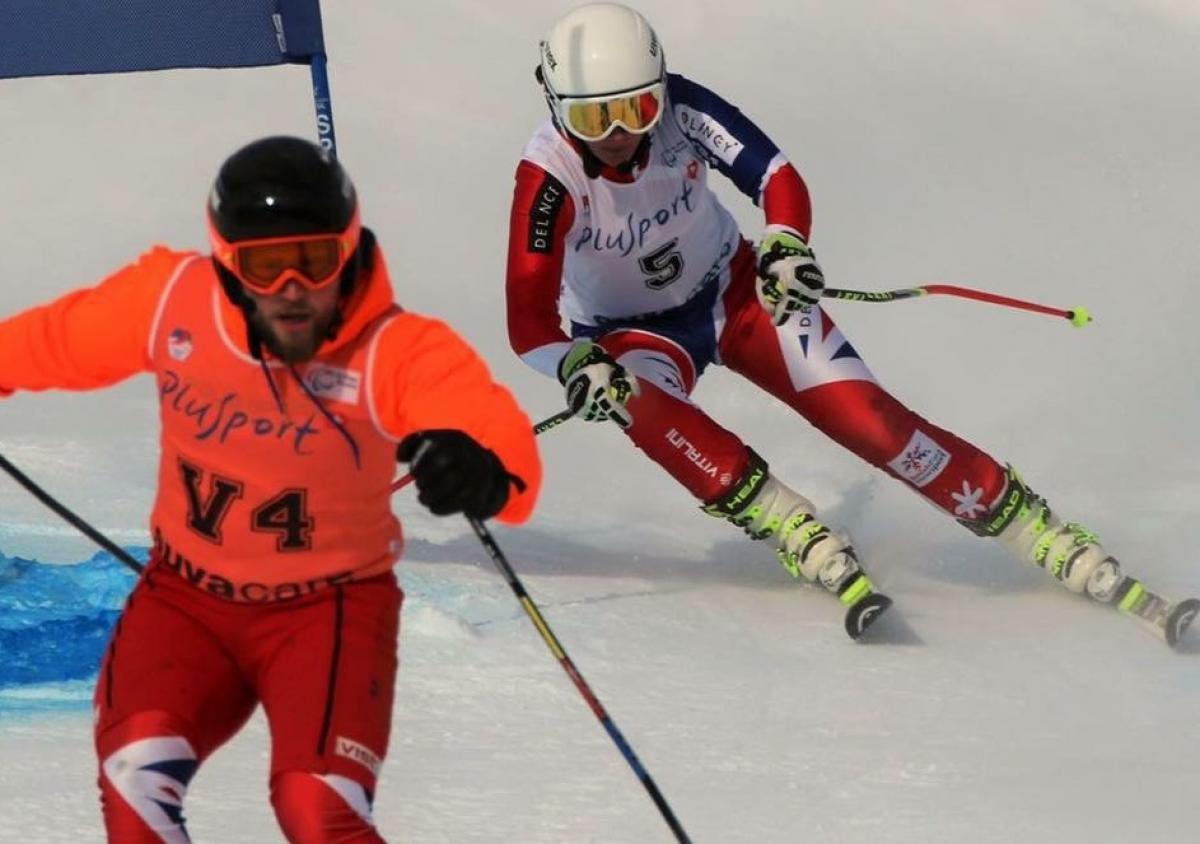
(1042, 150)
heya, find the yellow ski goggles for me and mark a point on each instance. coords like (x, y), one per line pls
(595, 118)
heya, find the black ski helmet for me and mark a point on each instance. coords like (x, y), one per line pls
(281, 186)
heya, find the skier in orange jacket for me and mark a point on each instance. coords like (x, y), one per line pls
(289, 384)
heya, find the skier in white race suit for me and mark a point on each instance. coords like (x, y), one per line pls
(614, 227)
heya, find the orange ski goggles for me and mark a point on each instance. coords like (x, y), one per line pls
(266, 265)
(595, 118)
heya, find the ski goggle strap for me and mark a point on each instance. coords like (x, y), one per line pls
(595, 118)
(265, 265)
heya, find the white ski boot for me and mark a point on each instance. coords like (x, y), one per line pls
(767, 509)
(1024, 524)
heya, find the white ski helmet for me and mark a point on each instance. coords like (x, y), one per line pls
(600, 49)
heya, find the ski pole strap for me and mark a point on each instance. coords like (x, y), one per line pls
(68, 515)
(1078, 317)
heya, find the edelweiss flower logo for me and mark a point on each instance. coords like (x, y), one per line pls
(968, 501)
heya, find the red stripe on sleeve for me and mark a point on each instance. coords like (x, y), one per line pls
(786, 202)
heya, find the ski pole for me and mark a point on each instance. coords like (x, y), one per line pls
(531, 610)
(552, 421)
(540, 428)
(539, 621)
(74, 520)
(1078, 317)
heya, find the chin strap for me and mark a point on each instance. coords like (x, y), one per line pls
(358, 267)
(639, 158)
(236, 293)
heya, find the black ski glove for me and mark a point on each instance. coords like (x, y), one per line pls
(455, 474)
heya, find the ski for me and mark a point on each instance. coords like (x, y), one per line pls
(865, 612)
(1161, 618)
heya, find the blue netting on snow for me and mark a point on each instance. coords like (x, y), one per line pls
(55, 620)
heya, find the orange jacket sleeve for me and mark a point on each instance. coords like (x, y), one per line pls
(427, 377)
(88, 338)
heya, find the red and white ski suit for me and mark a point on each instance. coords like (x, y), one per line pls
(651, 264)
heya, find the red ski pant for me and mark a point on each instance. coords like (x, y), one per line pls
(808, 364)
(184, 670)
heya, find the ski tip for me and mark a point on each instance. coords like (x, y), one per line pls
(865, 613)
(1180, 618)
